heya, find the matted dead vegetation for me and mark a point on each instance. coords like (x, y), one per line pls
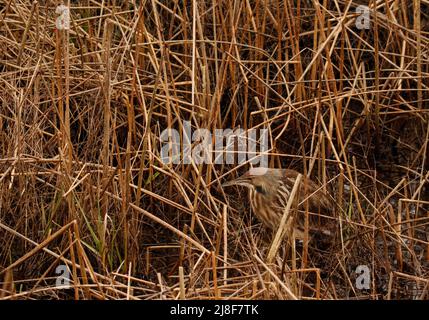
(82, 183)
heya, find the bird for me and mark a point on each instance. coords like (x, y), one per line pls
(269, 192)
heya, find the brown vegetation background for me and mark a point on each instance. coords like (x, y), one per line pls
(81, 179)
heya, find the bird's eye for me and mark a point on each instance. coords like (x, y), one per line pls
(260, 189)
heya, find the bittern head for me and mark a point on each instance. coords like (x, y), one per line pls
(262, 180)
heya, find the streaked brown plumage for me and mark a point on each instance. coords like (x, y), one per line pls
(269, 191)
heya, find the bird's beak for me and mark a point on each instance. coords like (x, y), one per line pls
(229, 183)
(237, 182)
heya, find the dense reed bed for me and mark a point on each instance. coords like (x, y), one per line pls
(84, 189)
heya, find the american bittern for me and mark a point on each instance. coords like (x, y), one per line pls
(269, 194)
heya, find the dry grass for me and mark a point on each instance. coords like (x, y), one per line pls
(81, 179)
